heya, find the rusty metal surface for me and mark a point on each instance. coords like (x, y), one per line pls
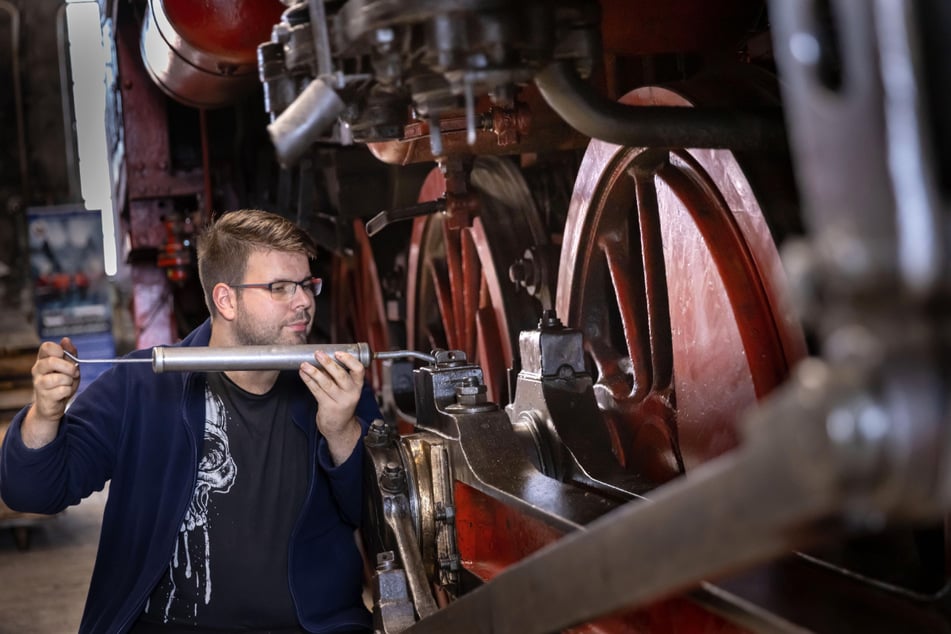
(540, 130)
(145, 124)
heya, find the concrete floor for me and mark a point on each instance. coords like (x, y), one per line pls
(42, 590)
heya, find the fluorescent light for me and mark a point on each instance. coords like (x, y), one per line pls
(89, 64)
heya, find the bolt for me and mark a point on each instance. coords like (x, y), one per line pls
(385, 560)
(521, 271)
(449, 563)
(378, 434)
(470, 391)
(393, 479)
(445, 513)
(549, 319)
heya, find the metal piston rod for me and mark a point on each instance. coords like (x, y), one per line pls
(219, 359)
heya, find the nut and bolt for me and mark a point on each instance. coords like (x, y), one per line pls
(449, 563)
(549, 319)
(522, 272)
(385, 560)
(470, 391)
(445, 513)
(393, 479)
(378, 435)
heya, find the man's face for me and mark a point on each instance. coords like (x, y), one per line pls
(264, 320)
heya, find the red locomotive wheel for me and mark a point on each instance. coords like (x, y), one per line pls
(458, 294)
(669, 267)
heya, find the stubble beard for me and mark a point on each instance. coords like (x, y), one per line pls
(251, 333)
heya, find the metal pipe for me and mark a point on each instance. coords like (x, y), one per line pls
(303, 122)
(18, 95)
(318, 25)
(657, 126)
(219, 359)
(216, 359)
(405, 354)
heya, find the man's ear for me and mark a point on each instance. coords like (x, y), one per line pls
(225, 299)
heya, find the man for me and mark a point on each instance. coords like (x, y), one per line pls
(233, 496)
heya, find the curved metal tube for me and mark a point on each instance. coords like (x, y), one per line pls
(304, 121)
(656, 126)
(405, 354)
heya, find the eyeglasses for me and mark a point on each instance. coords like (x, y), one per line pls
(284, 290)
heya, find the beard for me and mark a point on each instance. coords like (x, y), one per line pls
(251, 332)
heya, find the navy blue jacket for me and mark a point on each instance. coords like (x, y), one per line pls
(142, 432)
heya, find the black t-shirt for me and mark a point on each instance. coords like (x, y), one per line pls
(229, 567)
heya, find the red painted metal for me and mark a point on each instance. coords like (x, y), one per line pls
(689, 325)
(492, 536)
(229, 29)
(644, 27)
(455, 264)
(357, 301)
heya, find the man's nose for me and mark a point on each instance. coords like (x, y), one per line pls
(302, 296)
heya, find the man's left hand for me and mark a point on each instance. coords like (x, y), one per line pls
(337, 389)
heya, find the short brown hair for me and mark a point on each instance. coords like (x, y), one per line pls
(225, 245)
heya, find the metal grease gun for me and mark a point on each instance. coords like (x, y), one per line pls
(221, 359)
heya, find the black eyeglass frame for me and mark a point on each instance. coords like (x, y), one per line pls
(314, 284)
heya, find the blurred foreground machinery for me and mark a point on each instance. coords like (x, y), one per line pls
(674, 389)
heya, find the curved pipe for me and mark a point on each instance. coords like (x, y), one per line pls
(303, 122)
(656, 126)
(18, 95)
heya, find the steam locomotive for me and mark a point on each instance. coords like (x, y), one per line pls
(678, 273)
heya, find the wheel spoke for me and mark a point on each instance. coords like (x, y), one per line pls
(458, 267)
(627, 279)
(451, 240)
(697, 304)
(487, 344)
(442, 287)
(471, 285)
(655, 276)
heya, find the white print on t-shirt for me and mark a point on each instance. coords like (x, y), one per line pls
(216, 474)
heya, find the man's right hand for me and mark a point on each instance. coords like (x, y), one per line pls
(55, 381)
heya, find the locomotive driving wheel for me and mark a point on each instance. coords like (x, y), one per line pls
(357, 301)
(669, 268)
(458, 293)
